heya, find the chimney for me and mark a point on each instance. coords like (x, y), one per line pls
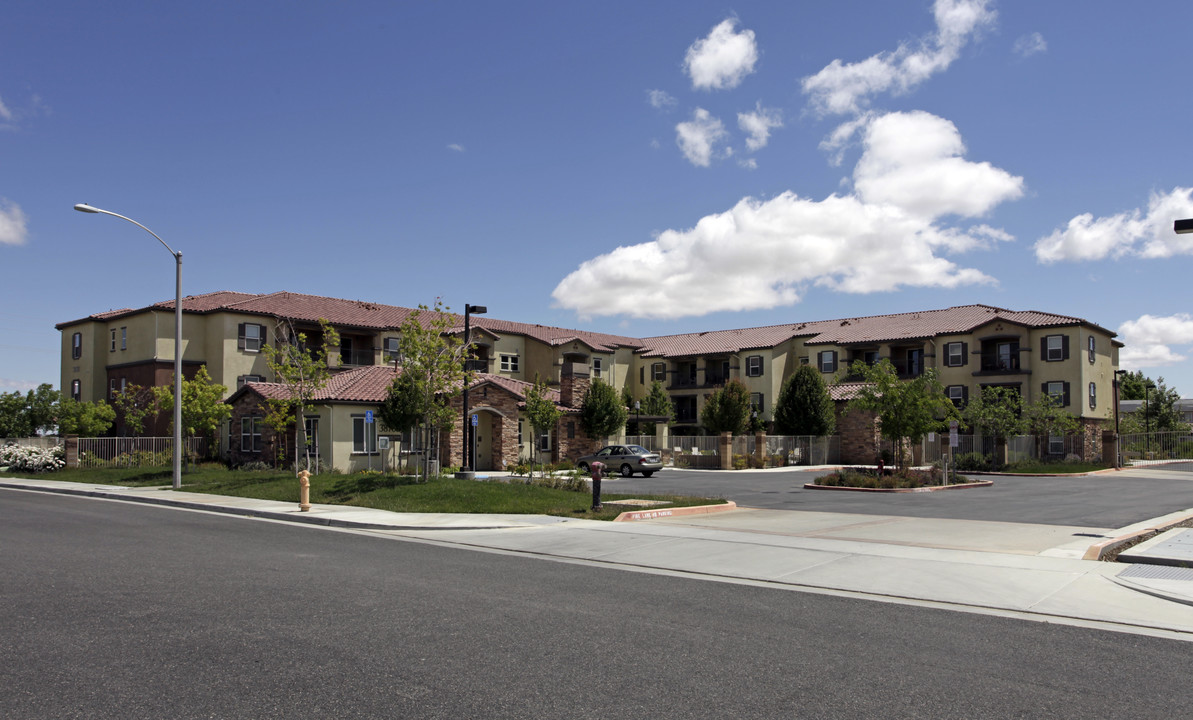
(573, 384)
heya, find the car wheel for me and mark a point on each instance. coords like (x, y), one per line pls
(627, 471)
(647, 473)
(583, 467)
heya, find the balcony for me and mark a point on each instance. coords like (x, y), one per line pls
(356, 358)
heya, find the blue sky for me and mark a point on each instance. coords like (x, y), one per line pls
(635, 168)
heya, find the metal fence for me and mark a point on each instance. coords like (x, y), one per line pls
(1020, 448)
(1156, 448)
(137, 451)
(779, 450)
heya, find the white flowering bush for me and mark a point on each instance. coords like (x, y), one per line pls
(18, 458)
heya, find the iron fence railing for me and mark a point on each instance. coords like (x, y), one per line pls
(137, 451)
(1155, 448)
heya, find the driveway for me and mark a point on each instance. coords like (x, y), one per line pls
(1094, 501)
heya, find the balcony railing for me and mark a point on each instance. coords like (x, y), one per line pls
(997, 363)
(365, 356)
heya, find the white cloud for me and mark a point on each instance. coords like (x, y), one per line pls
(723, 59)
(767, 253)
(12, 224)
(456, 146)
(1135, 232)
(660, 99)
(1148, 340)
(841, 88)
(913, 160)
(748, 163)
(698, 138)
(1029, 45)
(758, 124)
(5, 113)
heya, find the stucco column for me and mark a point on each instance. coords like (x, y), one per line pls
(760, 447)
(725, 449)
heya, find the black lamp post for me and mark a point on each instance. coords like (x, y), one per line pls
(1118, 451)
(466, 450)
(637, 411)
(1147, 414)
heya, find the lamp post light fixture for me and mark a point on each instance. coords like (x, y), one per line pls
(83, 207)
(1183, 227)
(466, 450)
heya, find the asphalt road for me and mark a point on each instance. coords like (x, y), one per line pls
(1107, 501)
(131, 611)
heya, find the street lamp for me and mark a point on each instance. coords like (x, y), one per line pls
(637, 422)
(1147, 412)
(1182, 227)
(466, 450)
(1118, 453)
(82, 207)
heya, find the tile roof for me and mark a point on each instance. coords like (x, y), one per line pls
(870, 329)
(364, 385)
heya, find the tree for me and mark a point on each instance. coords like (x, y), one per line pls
(1158, 412)
(85, 419)
(907, 409)
(657, 404)
(804, 406)
(541, 412)
(1131, 385)
(203, 406)
(14, 421)
(136, 403)
(601, 411)
(433, 358)
(997, 412)
(1046, 417)
(304, 371)
(727, 409)
(40, 408)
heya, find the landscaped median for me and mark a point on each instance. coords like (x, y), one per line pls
(866, 479)
(559, 496)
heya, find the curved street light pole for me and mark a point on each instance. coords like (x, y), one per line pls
(83, 207)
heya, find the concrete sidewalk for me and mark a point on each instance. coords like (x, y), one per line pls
(1002, 568)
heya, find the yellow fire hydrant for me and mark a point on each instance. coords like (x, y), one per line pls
(304, 492)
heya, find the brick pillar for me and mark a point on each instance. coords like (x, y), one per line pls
(72, 451)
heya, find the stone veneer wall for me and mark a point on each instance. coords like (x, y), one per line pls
(502, 408)
(861, 440)
(248, 405)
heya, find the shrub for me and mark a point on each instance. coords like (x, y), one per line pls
(256, 466)
(31, 459)
(974, 461)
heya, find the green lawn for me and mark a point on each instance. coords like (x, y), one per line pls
(394, 493)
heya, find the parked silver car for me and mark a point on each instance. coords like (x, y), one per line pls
(626, 459)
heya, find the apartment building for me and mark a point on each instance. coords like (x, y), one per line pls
(969, 346)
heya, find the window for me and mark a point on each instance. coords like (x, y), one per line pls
(870, 357)
(76, 346)
(242, 380)
(754, 366)
(392, 353)
(113, 346)
(1056, 348)
(955, 354)
(124, 338)
(75, 391)
(1092, 346)
(803, 360)
(596, 367)
(1056, 445)
(1058, 391)
(915, 362)
(124, 385)
(571, 431)
(112, 388)
(827, 361)
(1093, 396)
(312, 430)
(959, 394)
(250, 434)
(520, 422)
(545, 441)
(364, 435)
(509, 363)
(250, 337)
(658, 371)
(756, 403)
(641, 375)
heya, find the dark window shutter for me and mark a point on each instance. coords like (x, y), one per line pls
(240, 336)
(1044, 348)
(1065, 402)
(834, 361)
(1064, 348)
(1044, 388)
(262, 334)
(964, 394)
(965, 356)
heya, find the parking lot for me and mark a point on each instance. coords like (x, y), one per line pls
(1107, 501)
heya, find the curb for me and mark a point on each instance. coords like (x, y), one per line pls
(635, 515)
(1100, 550)
(304, 518)
(926, 488)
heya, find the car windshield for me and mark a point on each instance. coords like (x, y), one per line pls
(638, 450)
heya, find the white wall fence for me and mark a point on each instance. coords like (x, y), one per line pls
(137, 451)
(49, 441)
